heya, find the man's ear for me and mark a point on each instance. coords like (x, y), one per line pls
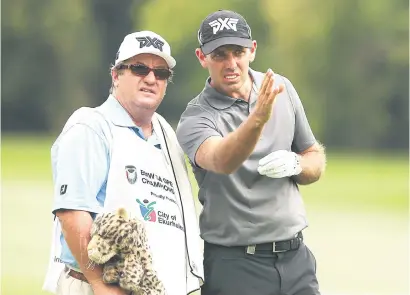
(253, 51)
(201, 57)
(114, 77)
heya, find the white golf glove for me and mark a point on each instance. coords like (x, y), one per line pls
(280, 164)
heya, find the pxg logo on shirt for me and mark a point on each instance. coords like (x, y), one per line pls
(147, 210)
(131, 173)
(147, 41)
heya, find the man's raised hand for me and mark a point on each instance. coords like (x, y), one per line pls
(266, 98)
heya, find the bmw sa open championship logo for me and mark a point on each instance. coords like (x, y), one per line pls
(131, 173)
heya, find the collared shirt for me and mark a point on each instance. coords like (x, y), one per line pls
(80, 161)
(244, 207)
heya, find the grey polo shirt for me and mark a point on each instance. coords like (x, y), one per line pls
(246, 208)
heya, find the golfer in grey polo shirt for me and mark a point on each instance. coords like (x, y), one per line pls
(250, 145)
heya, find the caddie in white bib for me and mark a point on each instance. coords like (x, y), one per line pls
(123, 154)
(143, 183)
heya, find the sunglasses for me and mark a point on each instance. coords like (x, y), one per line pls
(143, 71)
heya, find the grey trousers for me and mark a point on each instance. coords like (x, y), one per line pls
(231, 271)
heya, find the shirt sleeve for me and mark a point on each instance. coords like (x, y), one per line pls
(80, 167)
(195, 126)
(303, 137)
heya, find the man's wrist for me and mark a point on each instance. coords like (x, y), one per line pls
(298, 164)
(96, 284)
(256, 121)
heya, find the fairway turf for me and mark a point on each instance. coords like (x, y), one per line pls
(359, 197)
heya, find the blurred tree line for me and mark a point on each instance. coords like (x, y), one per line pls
(349, 60)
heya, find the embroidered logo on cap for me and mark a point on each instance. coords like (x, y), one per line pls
(221, 24)
(148, 41)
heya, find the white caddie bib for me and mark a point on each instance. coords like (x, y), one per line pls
(141, 180)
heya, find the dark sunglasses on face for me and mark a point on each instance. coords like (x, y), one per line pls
(143, 71)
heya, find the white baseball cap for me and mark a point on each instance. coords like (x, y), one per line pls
(144, 42)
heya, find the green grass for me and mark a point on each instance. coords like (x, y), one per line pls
(353, 182)
(26, 157)
(362, 182)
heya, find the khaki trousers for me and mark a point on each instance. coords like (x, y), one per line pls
(68, 285)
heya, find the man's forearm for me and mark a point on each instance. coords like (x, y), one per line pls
(313, 164)
(235, 148)
(76, 227)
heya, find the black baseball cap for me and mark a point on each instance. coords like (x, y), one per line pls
(221, 28)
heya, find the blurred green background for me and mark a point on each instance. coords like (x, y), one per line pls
(349, 61)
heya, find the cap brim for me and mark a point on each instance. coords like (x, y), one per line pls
(168, 59)
(212, 45)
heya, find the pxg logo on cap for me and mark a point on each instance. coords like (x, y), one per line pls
(147, 41)
(220, 24)
(144, 42)
(224, 27)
